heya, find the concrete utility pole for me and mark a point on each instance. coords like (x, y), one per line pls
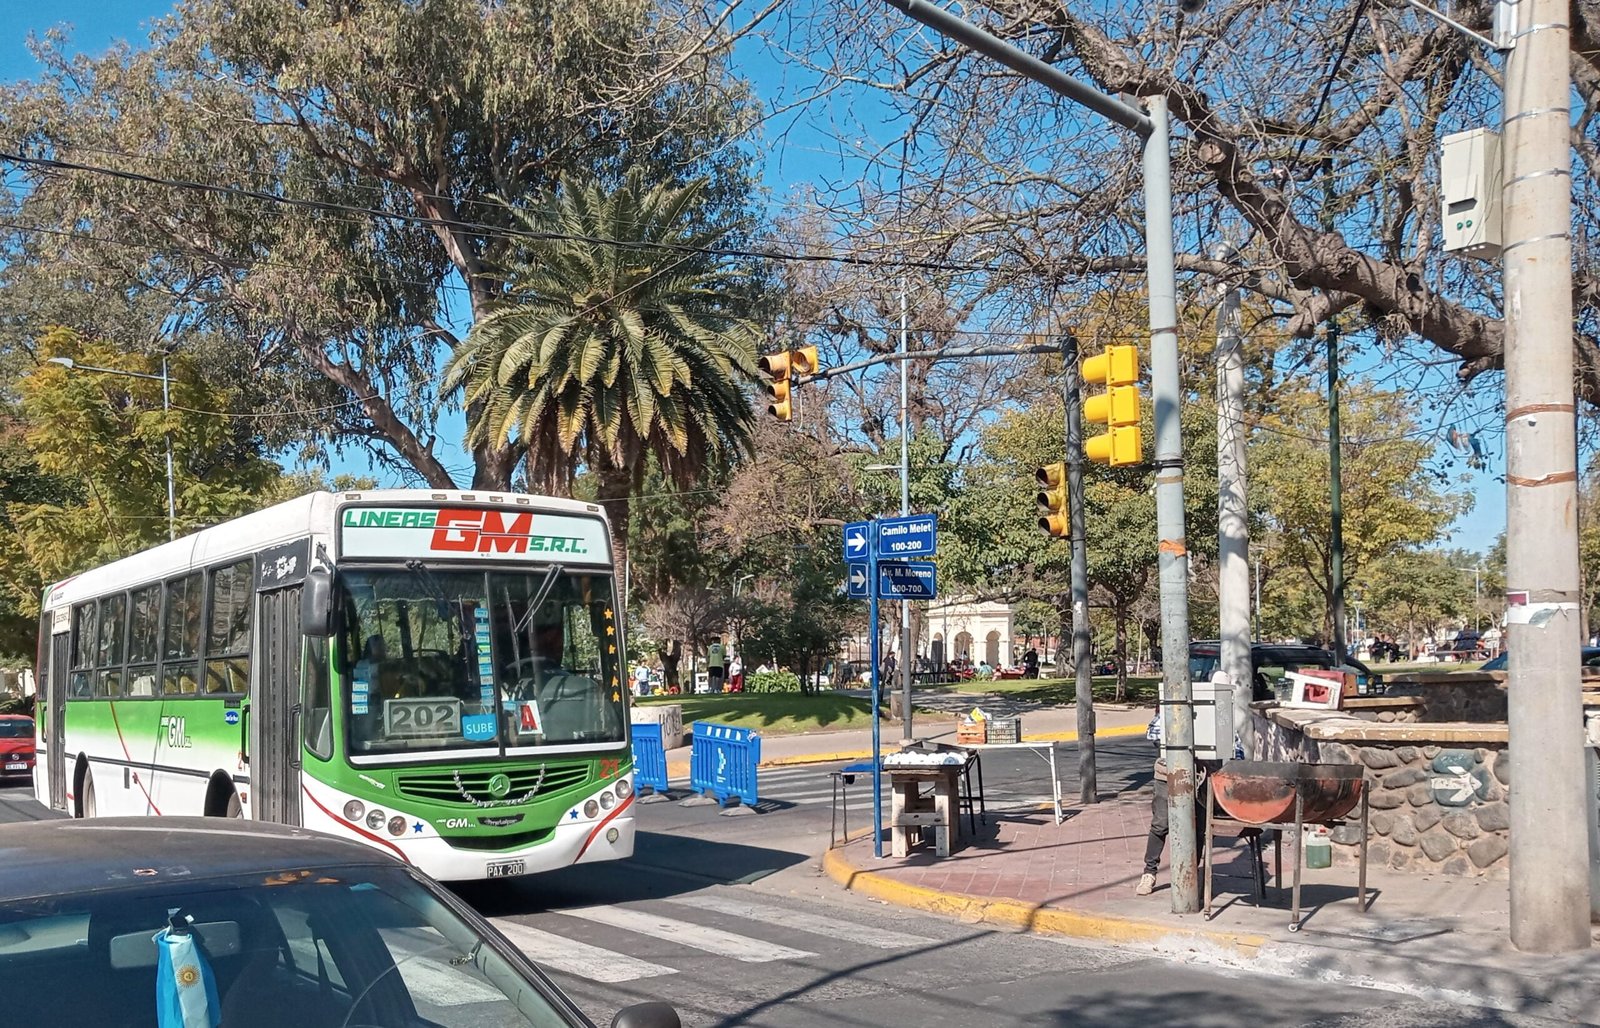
(1549, 838)
(1072, 395)
(1172, 548)
(1233, 525)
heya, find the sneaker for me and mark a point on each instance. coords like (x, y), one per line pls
(1147, 885)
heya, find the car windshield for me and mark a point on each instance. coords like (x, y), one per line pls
(468, 660)
(16, 728)
(308, 948)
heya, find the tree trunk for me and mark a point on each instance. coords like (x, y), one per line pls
(1119, 613)
(671, 655)
(613, 492)
(493, 468)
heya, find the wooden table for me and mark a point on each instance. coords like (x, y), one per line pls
(940, 811)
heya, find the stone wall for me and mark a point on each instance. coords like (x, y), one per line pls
(1434, 807)
(1454, 696)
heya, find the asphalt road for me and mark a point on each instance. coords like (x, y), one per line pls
(731, 920)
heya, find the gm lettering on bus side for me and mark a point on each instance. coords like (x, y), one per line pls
(455, 822)
(491, 531)
(177, 733)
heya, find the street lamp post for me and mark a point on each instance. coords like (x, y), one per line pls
(166, 408)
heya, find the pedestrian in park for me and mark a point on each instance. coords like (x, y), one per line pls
(735, 673)
(1030, 663)
(641, 680)
(716, 664)
(889, 666)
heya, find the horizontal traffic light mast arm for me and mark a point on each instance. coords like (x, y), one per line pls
(947, 353)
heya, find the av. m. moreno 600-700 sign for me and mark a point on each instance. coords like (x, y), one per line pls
(468, 532)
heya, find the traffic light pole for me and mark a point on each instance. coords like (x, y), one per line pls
(1088, 785)
(1152, 127)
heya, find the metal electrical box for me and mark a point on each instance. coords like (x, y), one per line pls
(1469, 192)
(1213, 717)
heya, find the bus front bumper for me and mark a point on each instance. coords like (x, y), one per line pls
(575, 840)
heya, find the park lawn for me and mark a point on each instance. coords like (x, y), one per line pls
(773, 713)
(1062, 691)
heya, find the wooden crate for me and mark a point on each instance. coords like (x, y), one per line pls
(971, 733)
(1005, 729)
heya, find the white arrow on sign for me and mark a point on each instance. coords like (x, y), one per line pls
(1461, 781)
(858, 577)
(856, 542)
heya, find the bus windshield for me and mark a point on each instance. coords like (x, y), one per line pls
(453, 660)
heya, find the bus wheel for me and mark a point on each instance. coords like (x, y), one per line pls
(89, 807)
(235, 808)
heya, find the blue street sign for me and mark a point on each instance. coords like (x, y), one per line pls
(857, 540)
(907, 580)
(912, 536)
(857, 582)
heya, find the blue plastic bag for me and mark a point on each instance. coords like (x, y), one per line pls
(186, 990)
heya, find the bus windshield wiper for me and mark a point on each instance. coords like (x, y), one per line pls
(540, 596)
(430, 584)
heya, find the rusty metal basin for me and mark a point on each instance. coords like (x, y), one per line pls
(1263, 791)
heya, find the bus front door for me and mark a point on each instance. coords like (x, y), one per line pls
(53, 686)
(274, 741)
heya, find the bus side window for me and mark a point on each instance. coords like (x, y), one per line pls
(318, 705)
(144, 623)
(180, 651)
(228, 633)
(81, 684)
(108, 662)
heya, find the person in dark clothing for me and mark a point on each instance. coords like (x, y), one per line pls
(1030, 663)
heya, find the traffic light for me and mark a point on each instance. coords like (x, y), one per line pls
(778, 367)
(1117, 408)
(1052, 499)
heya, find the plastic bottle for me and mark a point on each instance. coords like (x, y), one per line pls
(1319, 847)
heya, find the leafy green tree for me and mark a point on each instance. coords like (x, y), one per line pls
(607, 353)
(324, 112)
(1414, 591)
(1392, 503)
(96, 486)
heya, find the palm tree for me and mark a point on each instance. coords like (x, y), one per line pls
(620, 339)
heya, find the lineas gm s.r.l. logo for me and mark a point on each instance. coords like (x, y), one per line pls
(493, 531)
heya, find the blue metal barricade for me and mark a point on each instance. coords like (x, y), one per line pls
(649, 758)
(723, 761)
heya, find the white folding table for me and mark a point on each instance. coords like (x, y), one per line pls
(1046, 751)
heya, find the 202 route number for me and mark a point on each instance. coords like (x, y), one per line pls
(422, 717)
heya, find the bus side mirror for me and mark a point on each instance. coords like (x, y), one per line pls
(316, 603)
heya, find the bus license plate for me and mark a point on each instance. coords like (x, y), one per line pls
(505, 868)
(17, 767)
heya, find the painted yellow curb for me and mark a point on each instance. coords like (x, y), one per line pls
(1026, 916)
(680, 768)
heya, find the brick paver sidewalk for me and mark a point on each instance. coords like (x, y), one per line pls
(1428, 935)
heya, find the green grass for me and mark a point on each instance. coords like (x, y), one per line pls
(773, 713)
(1062, 691)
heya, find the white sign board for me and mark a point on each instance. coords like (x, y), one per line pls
(507, 534)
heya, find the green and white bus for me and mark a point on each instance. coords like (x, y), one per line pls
(438, 674)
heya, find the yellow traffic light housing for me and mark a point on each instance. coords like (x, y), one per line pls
(1117, 367)
(778, 368)
(1117, 447)
(1114, 366)
(1054, 516)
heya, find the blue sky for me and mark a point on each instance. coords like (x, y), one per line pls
(791, 166)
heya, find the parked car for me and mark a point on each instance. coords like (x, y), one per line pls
(1271, 661)
(1590, 658)
(275, 925)
(16, 745)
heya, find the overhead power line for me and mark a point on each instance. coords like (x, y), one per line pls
(481, 228)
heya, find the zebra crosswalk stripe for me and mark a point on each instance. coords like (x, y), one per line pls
(814, 924)
(683, 933)
(579, 958)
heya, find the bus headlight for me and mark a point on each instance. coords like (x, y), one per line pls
(591, 809)
(375, 818)
(353, 809)
(624, 789)
(607, 801)
(397, 825)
